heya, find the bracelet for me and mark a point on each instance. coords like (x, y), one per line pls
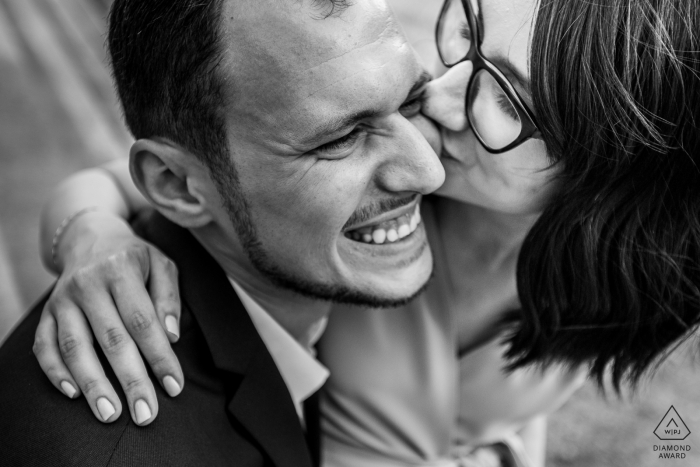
(62, 228)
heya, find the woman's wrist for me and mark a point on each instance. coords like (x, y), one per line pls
(62, 228)
(83, 235)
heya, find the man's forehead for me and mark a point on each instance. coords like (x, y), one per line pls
(288, 63)
(284, 38)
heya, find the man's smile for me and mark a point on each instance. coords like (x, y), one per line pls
(390, 227)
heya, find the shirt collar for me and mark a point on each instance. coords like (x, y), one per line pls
(301, 372)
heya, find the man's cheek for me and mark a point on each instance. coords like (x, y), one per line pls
(309, 217)
(329, 194)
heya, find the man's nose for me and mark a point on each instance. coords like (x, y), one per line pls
(411, 164)
(445, 98)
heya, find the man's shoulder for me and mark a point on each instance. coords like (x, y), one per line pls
(152, 226)
(39, 425)
(229, 410)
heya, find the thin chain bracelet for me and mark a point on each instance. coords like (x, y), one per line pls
(62, 228)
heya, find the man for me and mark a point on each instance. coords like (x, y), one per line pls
(278, 135)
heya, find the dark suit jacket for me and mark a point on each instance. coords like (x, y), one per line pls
(235, 409)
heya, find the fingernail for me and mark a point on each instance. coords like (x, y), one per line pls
(143, 412)
(172, 326)
(105, 408)
(68, 389)
(171, 386)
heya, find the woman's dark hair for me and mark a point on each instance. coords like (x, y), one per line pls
(609, 276)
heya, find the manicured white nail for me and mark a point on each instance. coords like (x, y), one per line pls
(171, 386)
(105, 408)
(68, 389)
(142, 411)
(172, 326)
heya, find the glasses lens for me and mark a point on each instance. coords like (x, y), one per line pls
(454, 36)
(492, 114)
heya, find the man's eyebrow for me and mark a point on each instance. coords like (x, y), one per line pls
(337, 124)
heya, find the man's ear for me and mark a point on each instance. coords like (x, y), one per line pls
(172, 180)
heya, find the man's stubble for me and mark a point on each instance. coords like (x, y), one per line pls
(225, 177)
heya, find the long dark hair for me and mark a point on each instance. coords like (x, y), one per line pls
(610, 274)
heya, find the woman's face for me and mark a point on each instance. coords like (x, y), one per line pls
(517, 181)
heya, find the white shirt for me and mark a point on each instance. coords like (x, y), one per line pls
(301, 372)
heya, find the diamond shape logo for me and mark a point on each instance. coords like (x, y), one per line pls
(672, 427)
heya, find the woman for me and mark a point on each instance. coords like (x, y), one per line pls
(568, 228)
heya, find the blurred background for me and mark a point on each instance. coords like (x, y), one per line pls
(58, 114)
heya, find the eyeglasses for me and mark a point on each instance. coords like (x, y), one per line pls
(499, 117)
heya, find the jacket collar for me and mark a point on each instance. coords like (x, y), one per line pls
(261, 403)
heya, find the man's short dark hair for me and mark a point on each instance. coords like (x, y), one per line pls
(165, 55)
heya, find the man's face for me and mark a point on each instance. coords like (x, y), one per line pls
(321, 132)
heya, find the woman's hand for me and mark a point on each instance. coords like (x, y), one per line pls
(126, 291)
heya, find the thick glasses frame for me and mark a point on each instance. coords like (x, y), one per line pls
(527, 119)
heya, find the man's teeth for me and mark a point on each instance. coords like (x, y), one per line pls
(389, 231)
(379, 236)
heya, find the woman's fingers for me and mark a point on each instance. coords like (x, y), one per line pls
(76, 349)
(123, 356)
(142, 323)
(48, 354)
(110, 293)
(165, 295)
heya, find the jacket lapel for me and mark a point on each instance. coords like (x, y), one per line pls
(261, 403)
(312, 416)
(265, 408)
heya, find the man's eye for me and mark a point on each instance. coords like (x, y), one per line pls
(411, 107)
(341, 144)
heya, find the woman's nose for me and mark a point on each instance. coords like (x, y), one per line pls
(445, 98)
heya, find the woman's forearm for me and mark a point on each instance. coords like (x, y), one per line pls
(107, 189)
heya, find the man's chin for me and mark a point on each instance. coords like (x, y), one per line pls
(343, 294)
(373, 280)
(384, 291)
